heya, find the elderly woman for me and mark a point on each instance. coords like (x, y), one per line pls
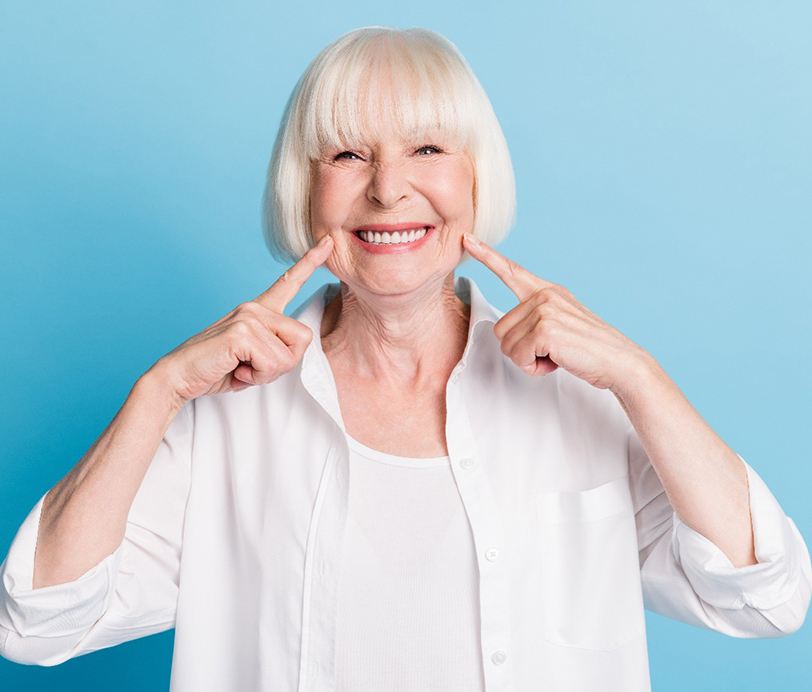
(400, 487)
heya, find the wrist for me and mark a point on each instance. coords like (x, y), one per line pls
(639, 373)
(158, 384)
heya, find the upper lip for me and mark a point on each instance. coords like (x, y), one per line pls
(391, 227)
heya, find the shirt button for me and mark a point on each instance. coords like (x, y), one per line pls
(499, 657)
(466, 462)
(491, 554)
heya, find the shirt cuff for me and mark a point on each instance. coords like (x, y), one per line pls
(56, 610)
(778, 548)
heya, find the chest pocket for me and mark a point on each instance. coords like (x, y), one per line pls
(590, 570)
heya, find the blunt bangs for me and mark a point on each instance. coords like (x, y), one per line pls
(408, 85)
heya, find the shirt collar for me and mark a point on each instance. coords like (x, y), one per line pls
(316, 373)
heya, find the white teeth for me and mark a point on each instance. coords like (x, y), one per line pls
(398, 237)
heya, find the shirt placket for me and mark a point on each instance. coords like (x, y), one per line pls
(324, 540)
(492, 553)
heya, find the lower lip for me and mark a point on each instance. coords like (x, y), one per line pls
(393, 248)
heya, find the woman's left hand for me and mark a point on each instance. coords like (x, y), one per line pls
(550, 328)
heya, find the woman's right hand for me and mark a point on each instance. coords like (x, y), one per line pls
(253, 344)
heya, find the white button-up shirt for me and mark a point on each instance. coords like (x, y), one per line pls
(235, 537)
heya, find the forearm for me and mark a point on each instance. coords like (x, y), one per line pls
(84, 515)
(704, 479)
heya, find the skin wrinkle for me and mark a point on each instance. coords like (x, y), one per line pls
(396, 319)
(393, 343)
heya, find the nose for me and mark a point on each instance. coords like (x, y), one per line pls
(388, 185)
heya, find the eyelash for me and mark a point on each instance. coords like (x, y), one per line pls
(425, 146)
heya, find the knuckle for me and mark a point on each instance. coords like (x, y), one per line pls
(240, 328)
(246, 308)
(240, 307)
(560, 291)
(539, 296)
(253, 323)
(286, 361)
(546, 327)
(555, 298)
(544, 310)
(290, 360)
(269, 372)
(544, 295)
(305, 333)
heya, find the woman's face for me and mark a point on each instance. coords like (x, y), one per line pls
(391, 183)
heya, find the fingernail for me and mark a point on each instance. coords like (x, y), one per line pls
(471, 239)
(324, 240)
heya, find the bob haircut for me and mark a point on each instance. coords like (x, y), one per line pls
(416, 81)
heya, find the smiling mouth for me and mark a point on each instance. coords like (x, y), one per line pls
(393, 238)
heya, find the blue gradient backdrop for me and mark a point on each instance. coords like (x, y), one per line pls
(663, 158)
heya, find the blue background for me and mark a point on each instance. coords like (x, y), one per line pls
(663, 158)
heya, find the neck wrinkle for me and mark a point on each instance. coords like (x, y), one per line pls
(417, 343)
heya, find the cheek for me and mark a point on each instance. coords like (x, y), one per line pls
(328, 197)
(452, 192)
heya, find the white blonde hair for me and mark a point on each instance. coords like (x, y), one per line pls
(340, 94)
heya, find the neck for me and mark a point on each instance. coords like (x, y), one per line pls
(402, 339)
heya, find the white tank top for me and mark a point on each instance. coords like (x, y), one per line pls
(408, 605)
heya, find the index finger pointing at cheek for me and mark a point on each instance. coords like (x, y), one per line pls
(285, 288)
(518, 279)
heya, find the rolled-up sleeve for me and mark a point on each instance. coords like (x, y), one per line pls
(687, 577)
(783, 559)
(52, 614)
(128, 594)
